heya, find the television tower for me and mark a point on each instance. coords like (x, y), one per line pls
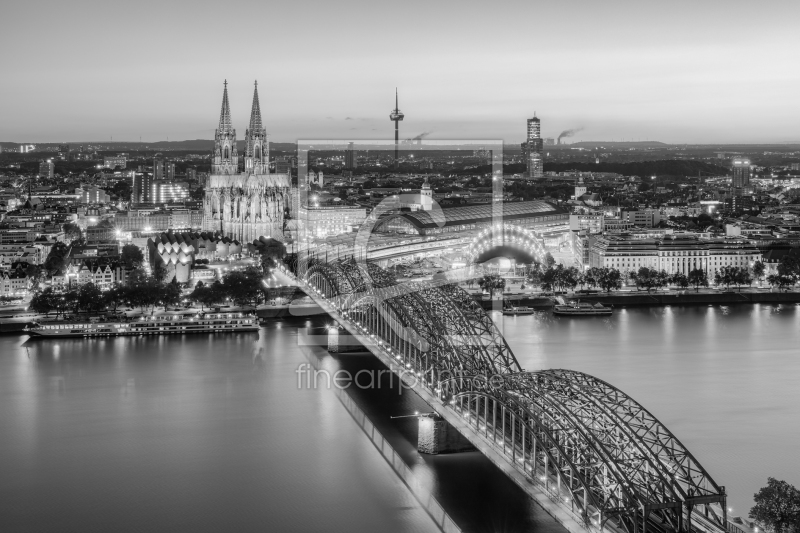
(396, 117)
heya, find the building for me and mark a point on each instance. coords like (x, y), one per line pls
(350, 162)
(46, 169)
(248, 205)
(532, 149)
(93, 195)
(677, 253)
(741, 172)
(166, 191)
(319, 222)
(158, 219)
(14, 283)
(141, 191)
(421, 200)
(588, 222)
(115, 161)
(537, 215)
(643, 217)
(64, 152)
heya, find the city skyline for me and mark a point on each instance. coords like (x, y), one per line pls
(626, 72)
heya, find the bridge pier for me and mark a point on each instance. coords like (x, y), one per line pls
(436, 436)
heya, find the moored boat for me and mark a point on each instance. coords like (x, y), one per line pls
(149, 325)
(514, 311)
(579, 308)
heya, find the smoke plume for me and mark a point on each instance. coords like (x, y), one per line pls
(569, 133)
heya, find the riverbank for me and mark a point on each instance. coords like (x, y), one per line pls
(690, 298)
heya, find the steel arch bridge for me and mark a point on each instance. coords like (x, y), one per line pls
(604, 458)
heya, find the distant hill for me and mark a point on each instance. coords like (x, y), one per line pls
(621, 145)
(664, 167)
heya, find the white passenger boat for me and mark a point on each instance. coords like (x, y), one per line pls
(149, 325)
(517, 310)
(579, 308)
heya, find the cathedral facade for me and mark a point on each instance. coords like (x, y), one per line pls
(250, 203)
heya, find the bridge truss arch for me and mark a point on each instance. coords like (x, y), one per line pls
(590, 446)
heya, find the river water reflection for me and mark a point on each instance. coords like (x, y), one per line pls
(211, 433)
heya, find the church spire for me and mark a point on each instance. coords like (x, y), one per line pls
(256, 143)
(225, 122)
(226, 159)
(255, 112)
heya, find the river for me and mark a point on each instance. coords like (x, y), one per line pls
(212, 433)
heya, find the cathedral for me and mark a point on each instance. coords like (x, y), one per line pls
(244, 204)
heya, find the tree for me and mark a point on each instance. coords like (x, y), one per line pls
(780, 281)
(650, 278)
(89, 297)
(697, 278)
(743, 277)
(758, 269)
(592, 276)
(56, 260)
(131, 256)
(777, 507)
(549, 260)
(72, 232)
(36, 274)
(609, 279)
(170, 294)
(559, 277)
(115, 296)
(142, 290)
(790, 266)
(680, 280)
(42, 301)
(731, 275)
(207, 295)
(491, 283)
(244, 287)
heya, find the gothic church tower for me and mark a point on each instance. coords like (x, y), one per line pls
(256, 151)
(226, 159)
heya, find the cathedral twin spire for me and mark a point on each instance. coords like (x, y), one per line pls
(256, 155)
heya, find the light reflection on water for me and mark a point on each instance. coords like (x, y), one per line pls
(210, 433)
(723, 379)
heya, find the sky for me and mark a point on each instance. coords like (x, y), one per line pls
(679, 72)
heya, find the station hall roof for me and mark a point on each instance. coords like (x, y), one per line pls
(474, 214)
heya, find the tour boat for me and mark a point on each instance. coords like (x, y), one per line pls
(514, 311)
(149, 325)
(581, 309)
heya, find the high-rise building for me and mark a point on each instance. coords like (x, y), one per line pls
(158, 168)
(350, 162)
(169, 170)
(46, 168)
(141, 192)
(741, 172)
(532, 148)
